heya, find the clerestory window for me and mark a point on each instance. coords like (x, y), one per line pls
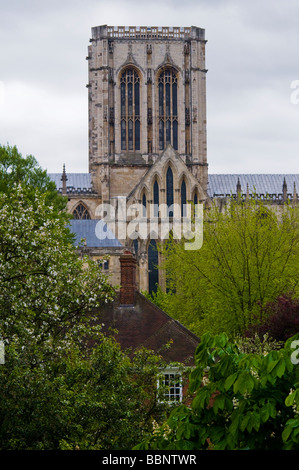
(130, 110)
(168, 109)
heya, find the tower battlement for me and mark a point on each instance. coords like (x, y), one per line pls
(148, 32)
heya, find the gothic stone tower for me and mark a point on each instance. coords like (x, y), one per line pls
(147, 119)
(147, 90)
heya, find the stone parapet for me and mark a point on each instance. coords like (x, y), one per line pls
(147, 32)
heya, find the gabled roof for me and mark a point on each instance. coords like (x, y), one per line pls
(94, 232)
(145, 325)
(169, 155)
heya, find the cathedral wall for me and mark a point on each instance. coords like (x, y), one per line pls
(124, 178)
(90, 203)
(113, 270)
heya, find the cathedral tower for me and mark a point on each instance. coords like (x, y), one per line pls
(148, 144)
(147, 91)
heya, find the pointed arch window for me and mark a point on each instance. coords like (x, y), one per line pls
(183, 199)
(156, 198)
(169, 191)
(81, 212)
(168, 109)
(144, 205)
(153, 273)
(130, 110)
(195, 199)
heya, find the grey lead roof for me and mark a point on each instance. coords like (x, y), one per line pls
(95, 233)
(219, 184)
(271, 184)
(76, 182)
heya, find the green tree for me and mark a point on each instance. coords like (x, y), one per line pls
(45, 287)
(249, 257)
(64, 385)
(242, 401)
(281, 319)
(16, 169)
(97, 399)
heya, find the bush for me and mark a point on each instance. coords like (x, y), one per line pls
(245, 401)
(282, 319)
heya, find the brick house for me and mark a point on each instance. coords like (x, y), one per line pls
(140, 323)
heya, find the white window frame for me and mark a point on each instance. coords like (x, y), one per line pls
(175, 393)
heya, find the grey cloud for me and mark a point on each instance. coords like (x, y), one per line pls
(251, 60)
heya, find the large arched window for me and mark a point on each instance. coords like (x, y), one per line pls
(130, 110)
(81, 212)
(168, 109)
(169, 191)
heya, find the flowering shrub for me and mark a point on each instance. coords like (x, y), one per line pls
(241, 401)
(46, 290)
(56, 392)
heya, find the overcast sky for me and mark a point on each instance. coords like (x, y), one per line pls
(251, 56)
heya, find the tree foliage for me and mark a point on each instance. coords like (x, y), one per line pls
(42, 278)
(242, 401)
(98, 399)
(56, 391)
(16, 169)
(281, 319)
(248, 258)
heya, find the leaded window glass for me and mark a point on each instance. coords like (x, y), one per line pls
(81, 212)
(130, 110)
(183, 199)
(144, 205)
(168, 109)
(153, 273)
(169, 191)
(156, 198)
(195, 202)
(195, 199)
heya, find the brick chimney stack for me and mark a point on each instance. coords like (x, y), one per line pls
(128, 279)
